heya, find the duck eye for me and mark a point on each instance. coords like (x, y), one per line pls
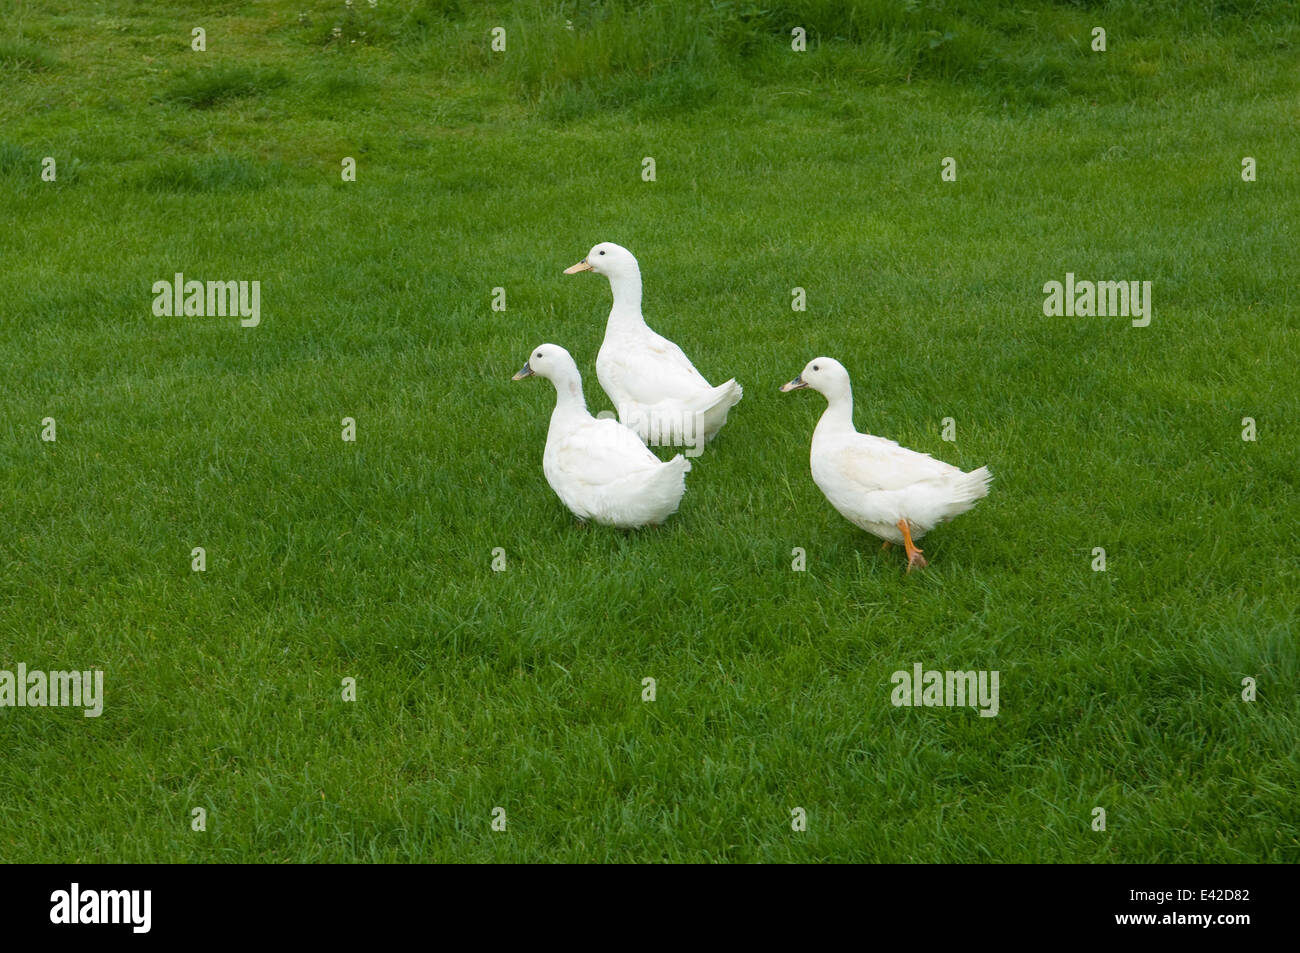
(602, 253)
(816, 367)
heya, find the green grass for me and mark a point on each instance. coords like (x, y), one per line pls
(204, 89)
(522, 688)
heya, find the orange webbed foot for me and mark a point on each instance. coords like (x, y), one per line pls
(914, 558)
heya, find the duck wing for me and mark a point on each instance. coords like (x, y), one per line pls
(647, 369)
(875, 463)
(602, 452)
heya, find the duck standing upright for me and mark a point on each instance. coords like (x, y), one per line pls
(653, 384)
(600, 469)
(887, 490)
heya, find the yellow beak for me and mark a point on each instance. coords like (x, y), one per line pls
(580, 266)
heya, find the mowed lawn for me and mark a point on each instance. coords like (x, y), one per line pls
(522, 689)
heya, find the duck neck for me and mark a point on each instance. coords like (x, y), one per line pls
(627, 300)
(839, 411)
(568, 395)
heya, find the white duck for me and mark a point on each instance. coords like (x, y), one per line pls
(888, 490)
(655, 387)
(600, 469)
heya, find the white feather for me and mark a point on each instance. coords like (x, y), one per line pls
(873, 482)
(599, 468)
(655, 388)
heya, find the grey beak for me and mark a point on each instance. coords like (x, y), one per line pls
(524, 371)
(797, 384)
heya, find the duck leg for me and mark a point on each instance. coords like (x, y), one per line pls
(886, 546)
(914, 558)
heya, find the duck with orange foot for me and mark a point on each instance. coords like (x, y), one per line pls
(894, 493)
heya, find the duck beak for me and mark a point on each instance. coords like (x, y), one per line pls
(580, 266)
(524, 371)
(797, 384)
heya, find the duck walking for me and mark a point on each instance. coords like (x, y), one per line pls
(653, 384)
(599, 468)
(887, 490)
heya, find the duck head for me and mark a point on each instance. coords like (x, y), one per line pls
(547, 360)
(612, 261)
(825, 375)
(558, 366)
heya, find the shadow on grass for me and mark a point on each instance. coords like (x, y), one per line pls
(215, 173)
(19, 56)
(205, 89)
